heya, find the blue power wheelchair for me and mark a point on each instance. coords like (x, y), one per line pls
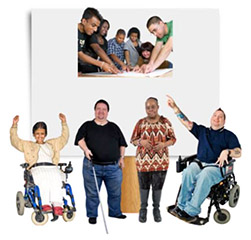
(226, 191)
(32, 199)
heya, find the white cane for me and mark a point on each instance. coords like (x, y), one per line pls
(96, 182)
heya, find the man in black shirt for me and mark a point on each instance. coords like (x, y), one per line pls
(89, 24)
(104, 146)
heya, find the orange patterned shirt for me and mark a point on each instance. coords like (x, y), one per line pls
(148, 160)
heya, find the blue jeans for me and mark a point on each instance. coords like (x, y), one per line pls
(112, 177)
(196, 185)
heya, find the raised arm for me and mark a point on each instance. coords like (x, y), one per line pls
(16, 142)
(180, 115)
(62, 140)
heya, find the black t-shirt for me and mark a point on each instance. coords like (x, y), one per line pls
(81, 43)
(81, 40)
(94, 39)
(103, 141)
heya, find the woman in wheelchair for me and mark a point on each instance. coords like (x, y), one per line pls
(43, 158)
(215, 145)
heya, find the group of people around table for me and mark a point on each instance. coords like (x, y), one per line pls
(96, 54)
(103, 144)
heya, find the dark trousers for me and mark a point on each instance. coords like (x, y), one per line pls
(148, 179)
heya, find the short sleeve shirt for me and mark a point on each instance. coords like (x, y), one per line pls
(165, 38)
(81, 40)
(116, 49)
(103, 141)
(213, 142)
(94, 39)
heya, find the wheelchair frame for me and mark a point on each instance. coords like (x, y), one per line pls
(226, 191)
(32, 198)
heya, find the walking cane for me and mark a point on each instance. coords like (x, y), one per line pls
(96, 182)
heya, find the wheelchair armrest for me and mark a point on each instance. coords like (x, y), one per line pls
(190, 158)
(25, 165)
(229, 168)
(62, 164)
(181, 164)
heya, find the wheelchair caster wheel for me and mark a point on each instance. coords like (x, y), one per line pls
(39, 218)
(20, 203)
(234, 195)
(222, 217)
(68, 215)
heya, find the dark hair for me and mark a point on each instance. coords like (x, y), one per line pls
(153, 20)
(92, 12)
(102, 101)
(219, 109)
(121, 31)
(147, 46)
(38, 125)
(153, 98)
(101, 24)
(133, 30)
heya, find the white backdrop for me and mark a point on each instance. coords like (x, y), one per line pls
(15, 95)
(56, 88)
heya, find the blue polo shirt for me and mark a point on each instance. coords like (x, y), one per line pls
(213, 142)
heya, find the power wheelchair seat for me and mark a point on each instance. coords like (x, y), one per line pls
(225, 191)
(32, 199)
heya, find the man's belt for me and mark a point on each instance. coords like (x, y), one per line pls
(105, 163)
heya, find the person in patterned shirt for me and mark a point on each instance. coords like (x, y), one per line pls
(152, 135)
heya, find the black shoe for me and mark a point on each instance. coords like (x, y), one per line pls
(175, 211)
(142, 215)
(186, 217)
(92, 220)
(122, 216)
(156, 215)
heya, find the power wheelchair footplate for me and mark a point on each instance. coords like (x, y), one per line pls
(197, 221)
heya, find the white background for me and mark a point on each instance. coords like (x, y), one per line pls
(194, 84)
(15, 99)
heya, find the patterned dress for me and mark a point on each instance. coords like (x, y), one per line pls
(150, 160)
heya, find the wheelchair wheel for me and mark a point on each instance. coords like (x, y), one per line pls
(222, 217)
(234, 195)
(20, 203)
(39, 218)
(68, 215)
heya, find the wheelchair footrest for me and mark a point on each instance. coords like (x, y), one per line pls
(198, 221)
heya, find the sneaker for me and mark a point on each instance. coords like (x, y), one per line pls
(92, 220)
(156, 215)
(142, 215)
(175, 211)
(186, 217)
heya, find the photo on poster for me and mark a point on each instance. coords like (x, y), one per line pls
(127, 52)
